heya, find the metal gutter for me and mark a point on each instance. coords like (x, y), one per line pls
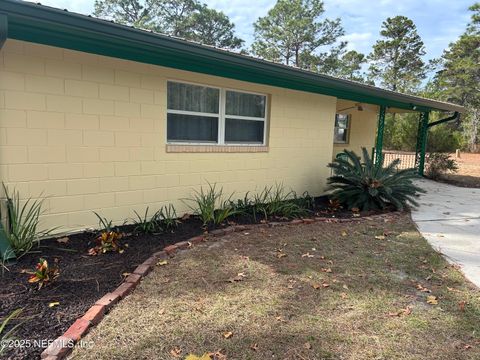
(455, 116)
(55, 27)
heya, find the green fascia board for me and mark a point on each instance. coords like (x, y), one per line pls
(49, 26)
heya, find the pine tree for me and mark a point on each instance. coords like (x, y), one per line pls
(459, 80)
(292, 34)
(396, 59)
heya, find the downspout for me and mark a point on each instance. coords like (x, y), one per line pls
(455, 116)
(423, 135)
(3, 29)
(7, 254)
(379, 139)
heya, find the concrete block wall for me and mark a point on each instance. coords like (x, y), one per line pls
(89, 133)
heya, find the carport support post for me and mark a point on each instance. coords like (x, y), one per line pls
(379, 141)
(422, 142)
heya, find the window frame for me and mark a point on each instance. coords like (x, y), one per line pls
(221, 115)
(349, 123)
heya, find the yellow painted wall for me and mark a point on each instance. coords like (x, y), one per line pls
(362, 128)
(89, 132)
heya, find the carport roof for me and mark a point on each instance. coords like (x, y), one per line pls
(51, 26)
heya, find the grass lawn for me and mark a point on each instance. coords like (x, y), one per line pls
(318, 291)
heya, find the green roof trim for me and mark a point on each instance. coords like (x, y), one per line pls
(50, 26)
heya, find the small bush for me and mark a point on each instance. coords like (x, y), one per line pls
(104, 224)
(439, 164)
(210, 205)
(44, 274)
(107, 241)
(367, 187)
(167, 218)
(8, 336)
(23, 223)
(145, 224)
(274, 201)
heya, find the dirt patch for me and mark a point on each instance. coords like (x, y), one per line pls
(317, 291)
(468, 174)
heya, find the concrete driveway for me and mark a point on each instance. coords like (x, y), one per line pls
(449, 218)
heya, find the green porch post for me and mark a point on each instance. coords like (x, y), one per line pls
(422, 142)
(379, 141)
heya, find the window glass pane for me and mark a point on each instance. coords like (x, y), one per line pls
(340, 135)
(196, 98)
(244, 104)
(247, 131)
(191, 128)
(341, 121)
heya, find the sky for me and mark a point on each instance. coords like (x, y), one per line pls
(439, 22)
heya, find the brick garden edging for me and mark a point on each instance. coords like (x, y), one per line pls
(61, 347)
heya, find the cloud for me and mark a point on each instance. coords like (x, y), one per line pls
(358, 41)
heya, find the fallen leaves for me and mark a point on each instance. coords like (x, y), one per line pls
(53, 304)
(307, 255)
(162, 263)
(461, 305)
(422, 288)
(432, 300)
(254, 347)
(217, 355)
(317, 286)
(176, 352)
(63, 240)
(401, 312)
(228, 334)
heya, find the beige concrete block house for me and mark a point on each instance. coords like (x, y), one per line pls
(103, 117)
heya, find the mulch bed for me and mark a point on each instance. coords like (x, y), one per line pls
(84, 279)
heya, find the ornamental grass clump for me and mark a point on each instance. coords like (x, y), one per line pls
(23, 217)
(367, 186)
(211, 205)
(7, 336)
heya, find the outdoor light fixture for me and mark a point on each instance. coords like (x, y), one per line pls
(358, 106)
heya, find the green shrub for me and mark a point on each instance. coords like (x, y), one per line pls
(23, 222)
(145, 224)
(104, 224)
(210, 205)
(7, 336)
(437, 164)
(167, 218)
(366, 186)
(274, 201)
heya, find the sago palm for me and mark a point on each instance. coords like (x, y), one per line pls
(361, 184)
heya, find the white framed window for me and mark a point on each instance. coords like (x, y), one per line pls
(342, 129)
(200, 114)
